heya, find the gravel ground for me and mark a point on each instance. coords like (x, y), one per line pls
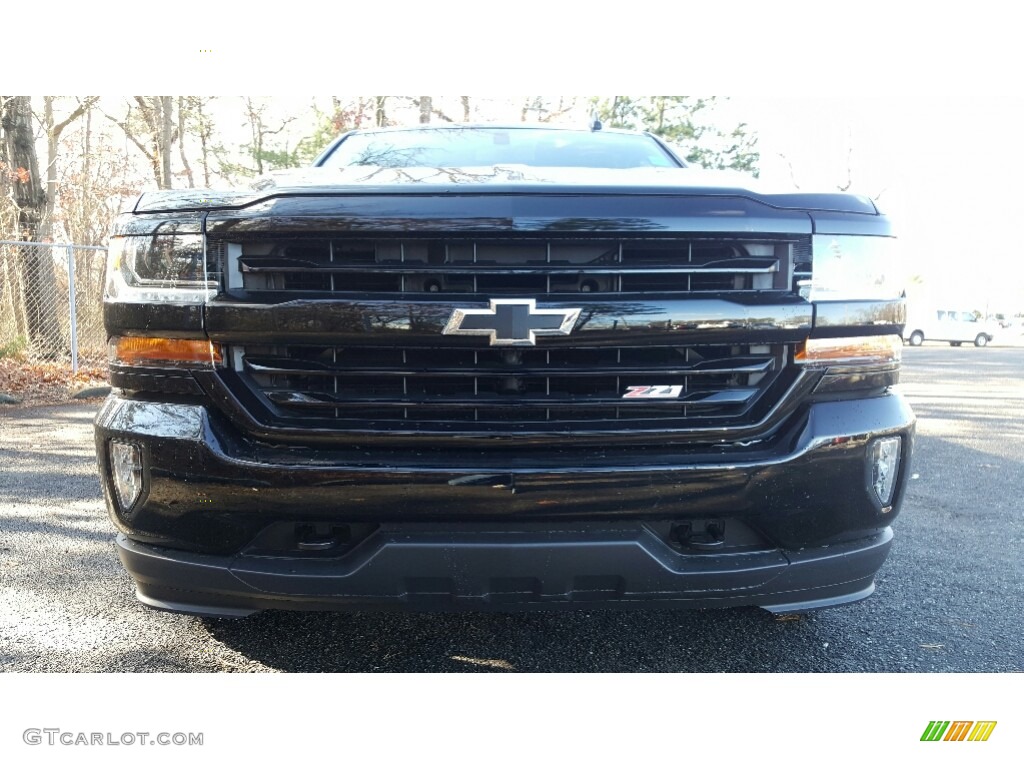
(950, 597)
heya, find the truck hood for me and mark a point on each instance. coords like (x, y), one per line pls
(504, 179)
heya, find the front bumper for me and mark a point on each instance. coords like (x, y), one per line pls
(622, 566)
(487, 530)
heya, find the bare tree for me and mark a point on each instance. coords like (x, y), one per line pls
(197, 133)
(167, 121)
(380, 117)
(849, 163)
(18, 153)
(428, 110)
(256, 114)
(789, 165)
(96, 177)
(203, 130)
(53, 130)
(20, 165)
(149, 125)
(182, 111)
(847, 171)
(545, 109)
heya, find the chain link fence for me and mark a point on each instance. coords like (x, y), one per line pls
(51, 303)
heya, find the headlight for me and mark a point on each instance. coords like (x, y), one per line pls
(856, 350)
(160, 352)
(852, 267)
(167, 268)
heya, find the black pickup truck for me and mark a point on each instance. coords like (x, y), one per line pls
(495, 367)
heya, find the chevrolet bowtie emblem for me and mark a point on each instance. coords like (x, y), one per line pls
(512, 322)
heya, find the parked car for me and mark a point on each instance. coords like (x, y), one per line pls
(953, 326)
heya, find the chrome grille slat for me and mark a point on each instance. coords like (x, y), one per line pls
(457, 264)
(328, 400)
(741, 267)
(313, 369)
(397, 387)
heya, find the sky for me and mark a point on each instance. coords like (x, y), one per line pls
(923, 101)
(945, 169)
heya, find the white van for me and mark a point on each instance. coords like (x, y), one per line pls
(954, 326)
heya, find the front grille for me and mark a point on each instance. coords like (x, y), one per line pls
(445, 389)
(520, 266)
(342, 361)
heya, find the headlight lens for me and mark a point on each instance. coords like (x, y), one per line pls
(158, 268)
(155, 351)
(856, 350)
(852, 267)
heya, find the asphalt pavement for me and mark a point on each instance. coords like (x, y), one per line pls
(949, 598)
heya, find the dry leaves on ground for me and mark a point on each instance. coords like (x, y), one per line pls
(46, 382)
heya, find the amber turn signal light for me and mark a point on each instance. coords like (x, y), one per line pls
(851, 350)
(138, 350)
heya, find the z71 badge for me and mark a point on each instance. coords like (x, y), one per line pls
(661, 391)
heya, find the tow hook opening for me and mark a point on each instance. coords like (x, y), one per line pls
(698, 534)
(308, 538)
(320, 538)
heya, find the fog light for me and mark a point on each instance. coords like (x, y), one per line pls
(126, 467)
(885, 464)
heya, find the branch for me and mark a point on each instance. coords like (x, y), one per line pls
(127, 132)
(147, 115)
(849, 170)
(79, 111)
(555, 113)
(268, 132)
(181, 144)
(416, 102)
(792, 176)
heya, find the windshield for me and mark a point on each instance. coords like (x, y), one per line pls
(465, 147)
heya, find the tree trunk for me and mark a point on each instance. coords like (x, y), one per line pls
(426, 107)
(256, 129)
(86, 167)
(40, 294)
(181, 142)
(165, 141)
(46, 225)
(20, 153)
(54, 131)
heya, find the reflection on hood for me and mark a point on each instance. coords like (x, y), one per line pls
(499, 179)
(356, 175)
